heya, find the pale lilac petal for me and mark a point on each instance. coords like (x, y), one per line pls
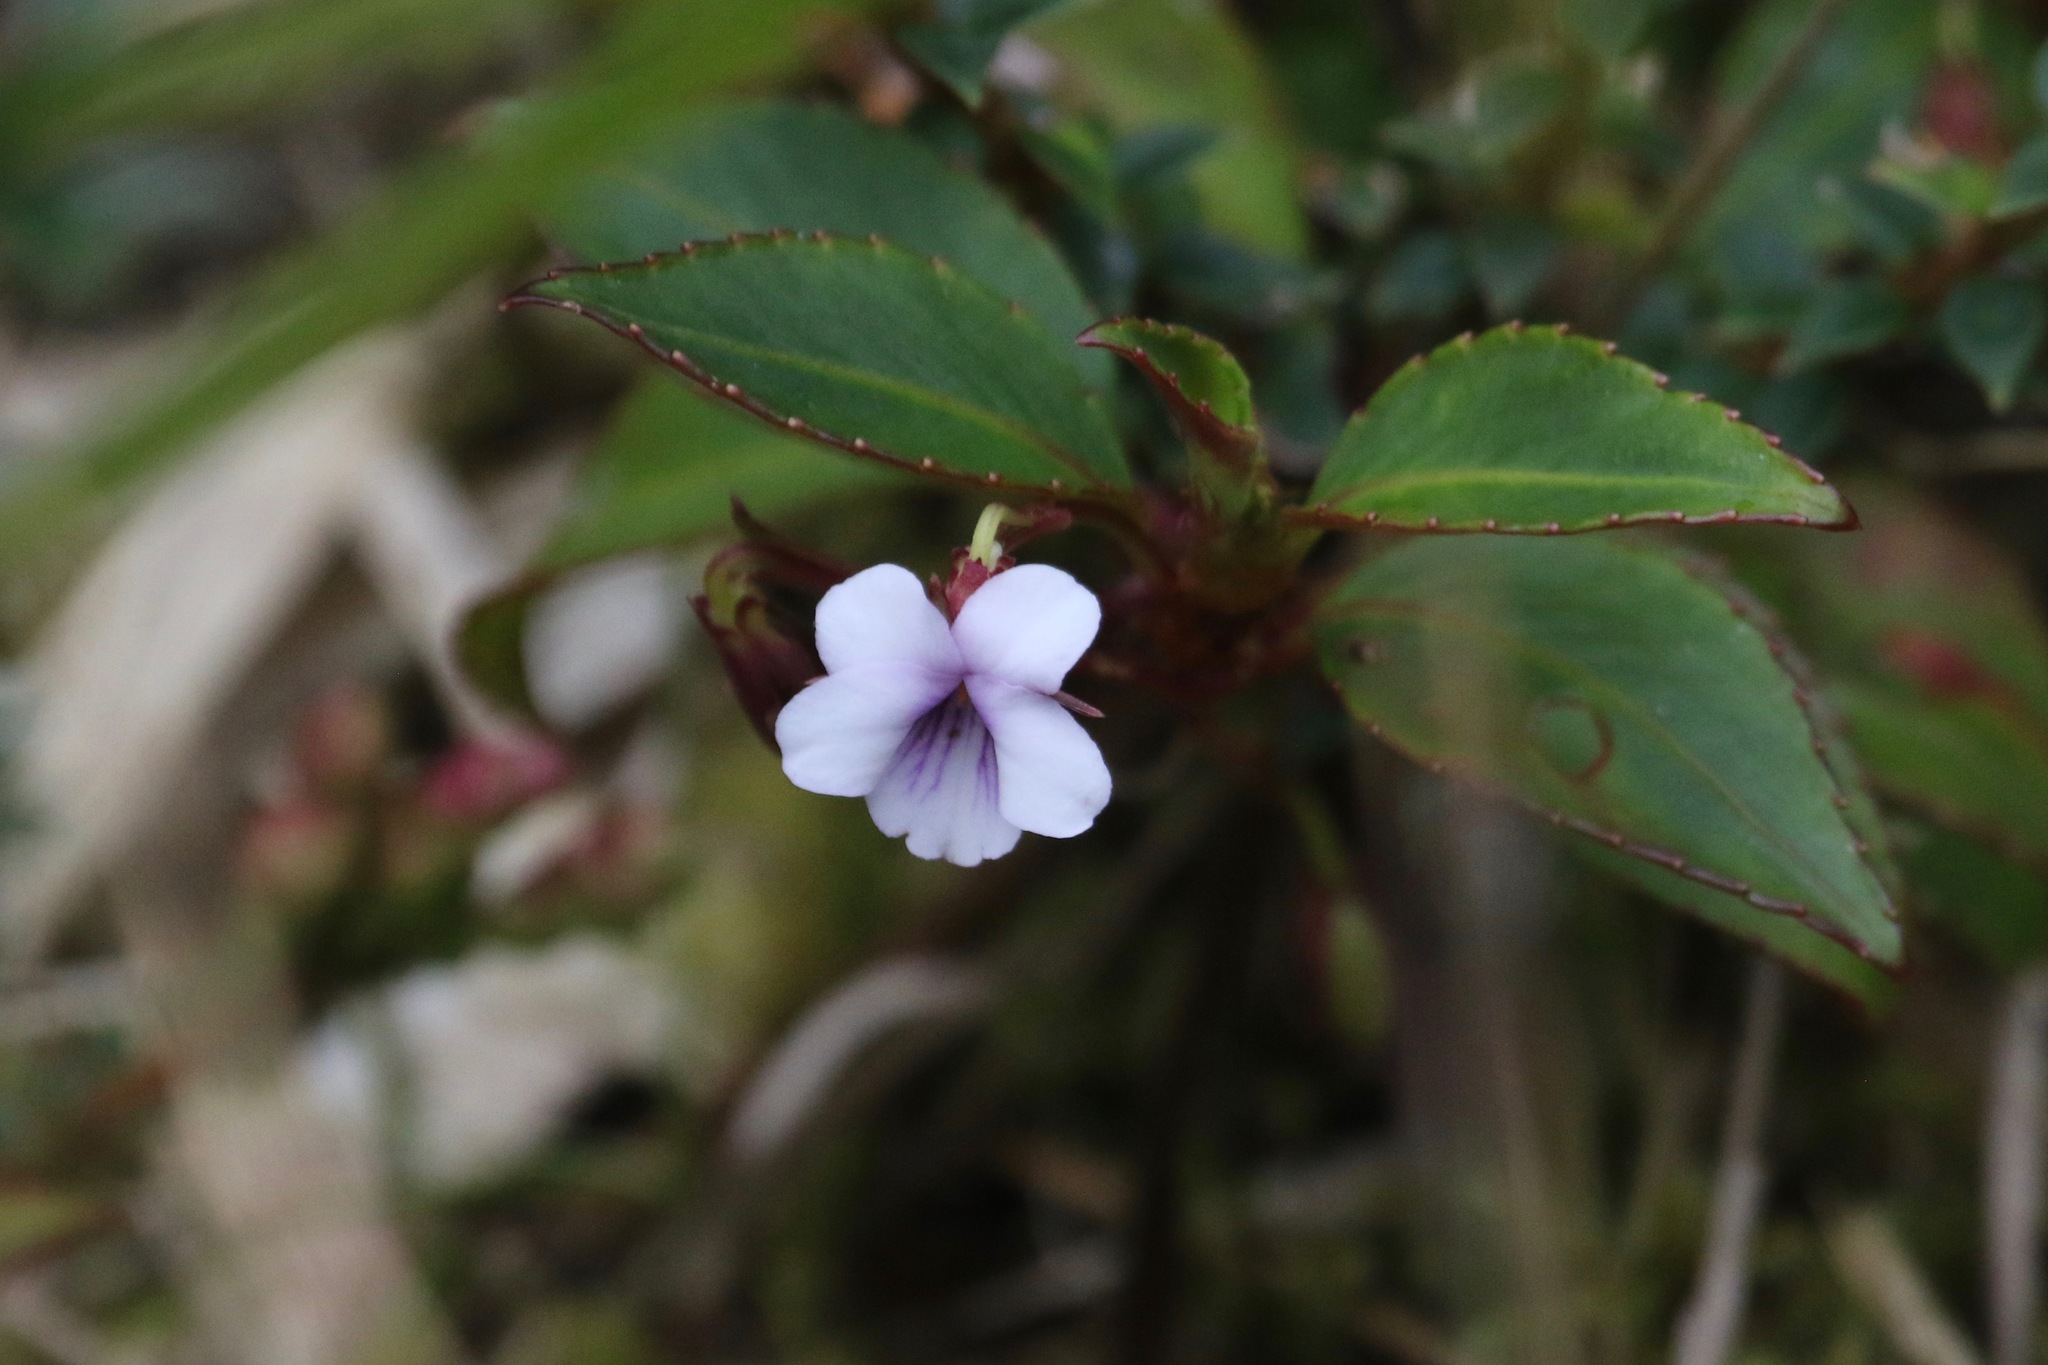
(941, 789)
(1027, 626)
(838, 735)
(881, 616)
(1051, 777)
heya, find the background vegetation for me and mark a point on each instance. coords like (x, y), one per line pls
(414, 954)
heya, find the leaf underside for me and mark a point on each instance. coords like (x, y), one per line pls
(863, 346)
(1612, 690)
(1530, 430)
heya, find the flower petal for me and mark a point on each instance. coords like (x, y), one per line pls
(838, 734)
(881, 616)
(1050, 776)
(1027, 626)
(941, 790)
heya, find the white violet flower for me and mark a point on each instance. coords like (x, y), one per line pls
(954, 732)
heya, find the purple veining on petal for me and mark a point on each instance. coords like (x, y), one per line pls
(899, 716)
(941, 788)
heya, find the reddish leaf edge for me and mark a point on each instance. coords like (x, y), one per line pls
(1826, 732)
(733, 394)
(1322, 516)
(1820, 735)
(1209, 430)
(1466, 775)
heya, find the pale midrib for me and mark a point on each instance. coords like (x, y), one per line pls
(1647, 718)
(981, 417)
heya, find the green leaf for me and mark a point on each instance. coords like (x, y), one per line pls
(243, 61)
(1611, 28)
(1951, 184)
(1497, 113)
(758, 167)
(1604, 685)
(1201, 381)
(1937, 658)
(963, 37)
(1078, 155)
(1845, 318)
(867, 347)
(1993, 325)
(1423, 280)
(1531, 430)
(670, 465)
(2025, 185)
(1510, 258)
(1867, 71)
(1186, 62)
(2041, 76)
(1799, 944)
(1211, 400)
(664, 476)
(1963, 762)
(1997, 908)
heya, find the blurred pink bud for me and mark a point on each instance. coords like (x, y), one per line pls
(479, 780)
(1960, 108)
(1941, 670)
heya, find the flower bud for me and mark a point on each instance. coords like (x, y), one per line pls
(756, 606)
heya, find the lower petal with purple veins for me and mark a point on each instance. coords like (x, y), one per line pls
(941, 789)
(1052, 777)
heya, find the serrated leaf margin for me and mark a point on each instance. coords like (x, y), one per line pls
(1322, 516)
(733, 394)
(1827, 746)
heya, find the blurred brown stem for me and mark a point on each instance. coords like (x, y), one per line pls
(2013, 1115)
(1712, 1319)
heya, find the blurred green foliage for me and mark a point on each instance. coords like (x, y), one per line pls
(1246, 1084)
